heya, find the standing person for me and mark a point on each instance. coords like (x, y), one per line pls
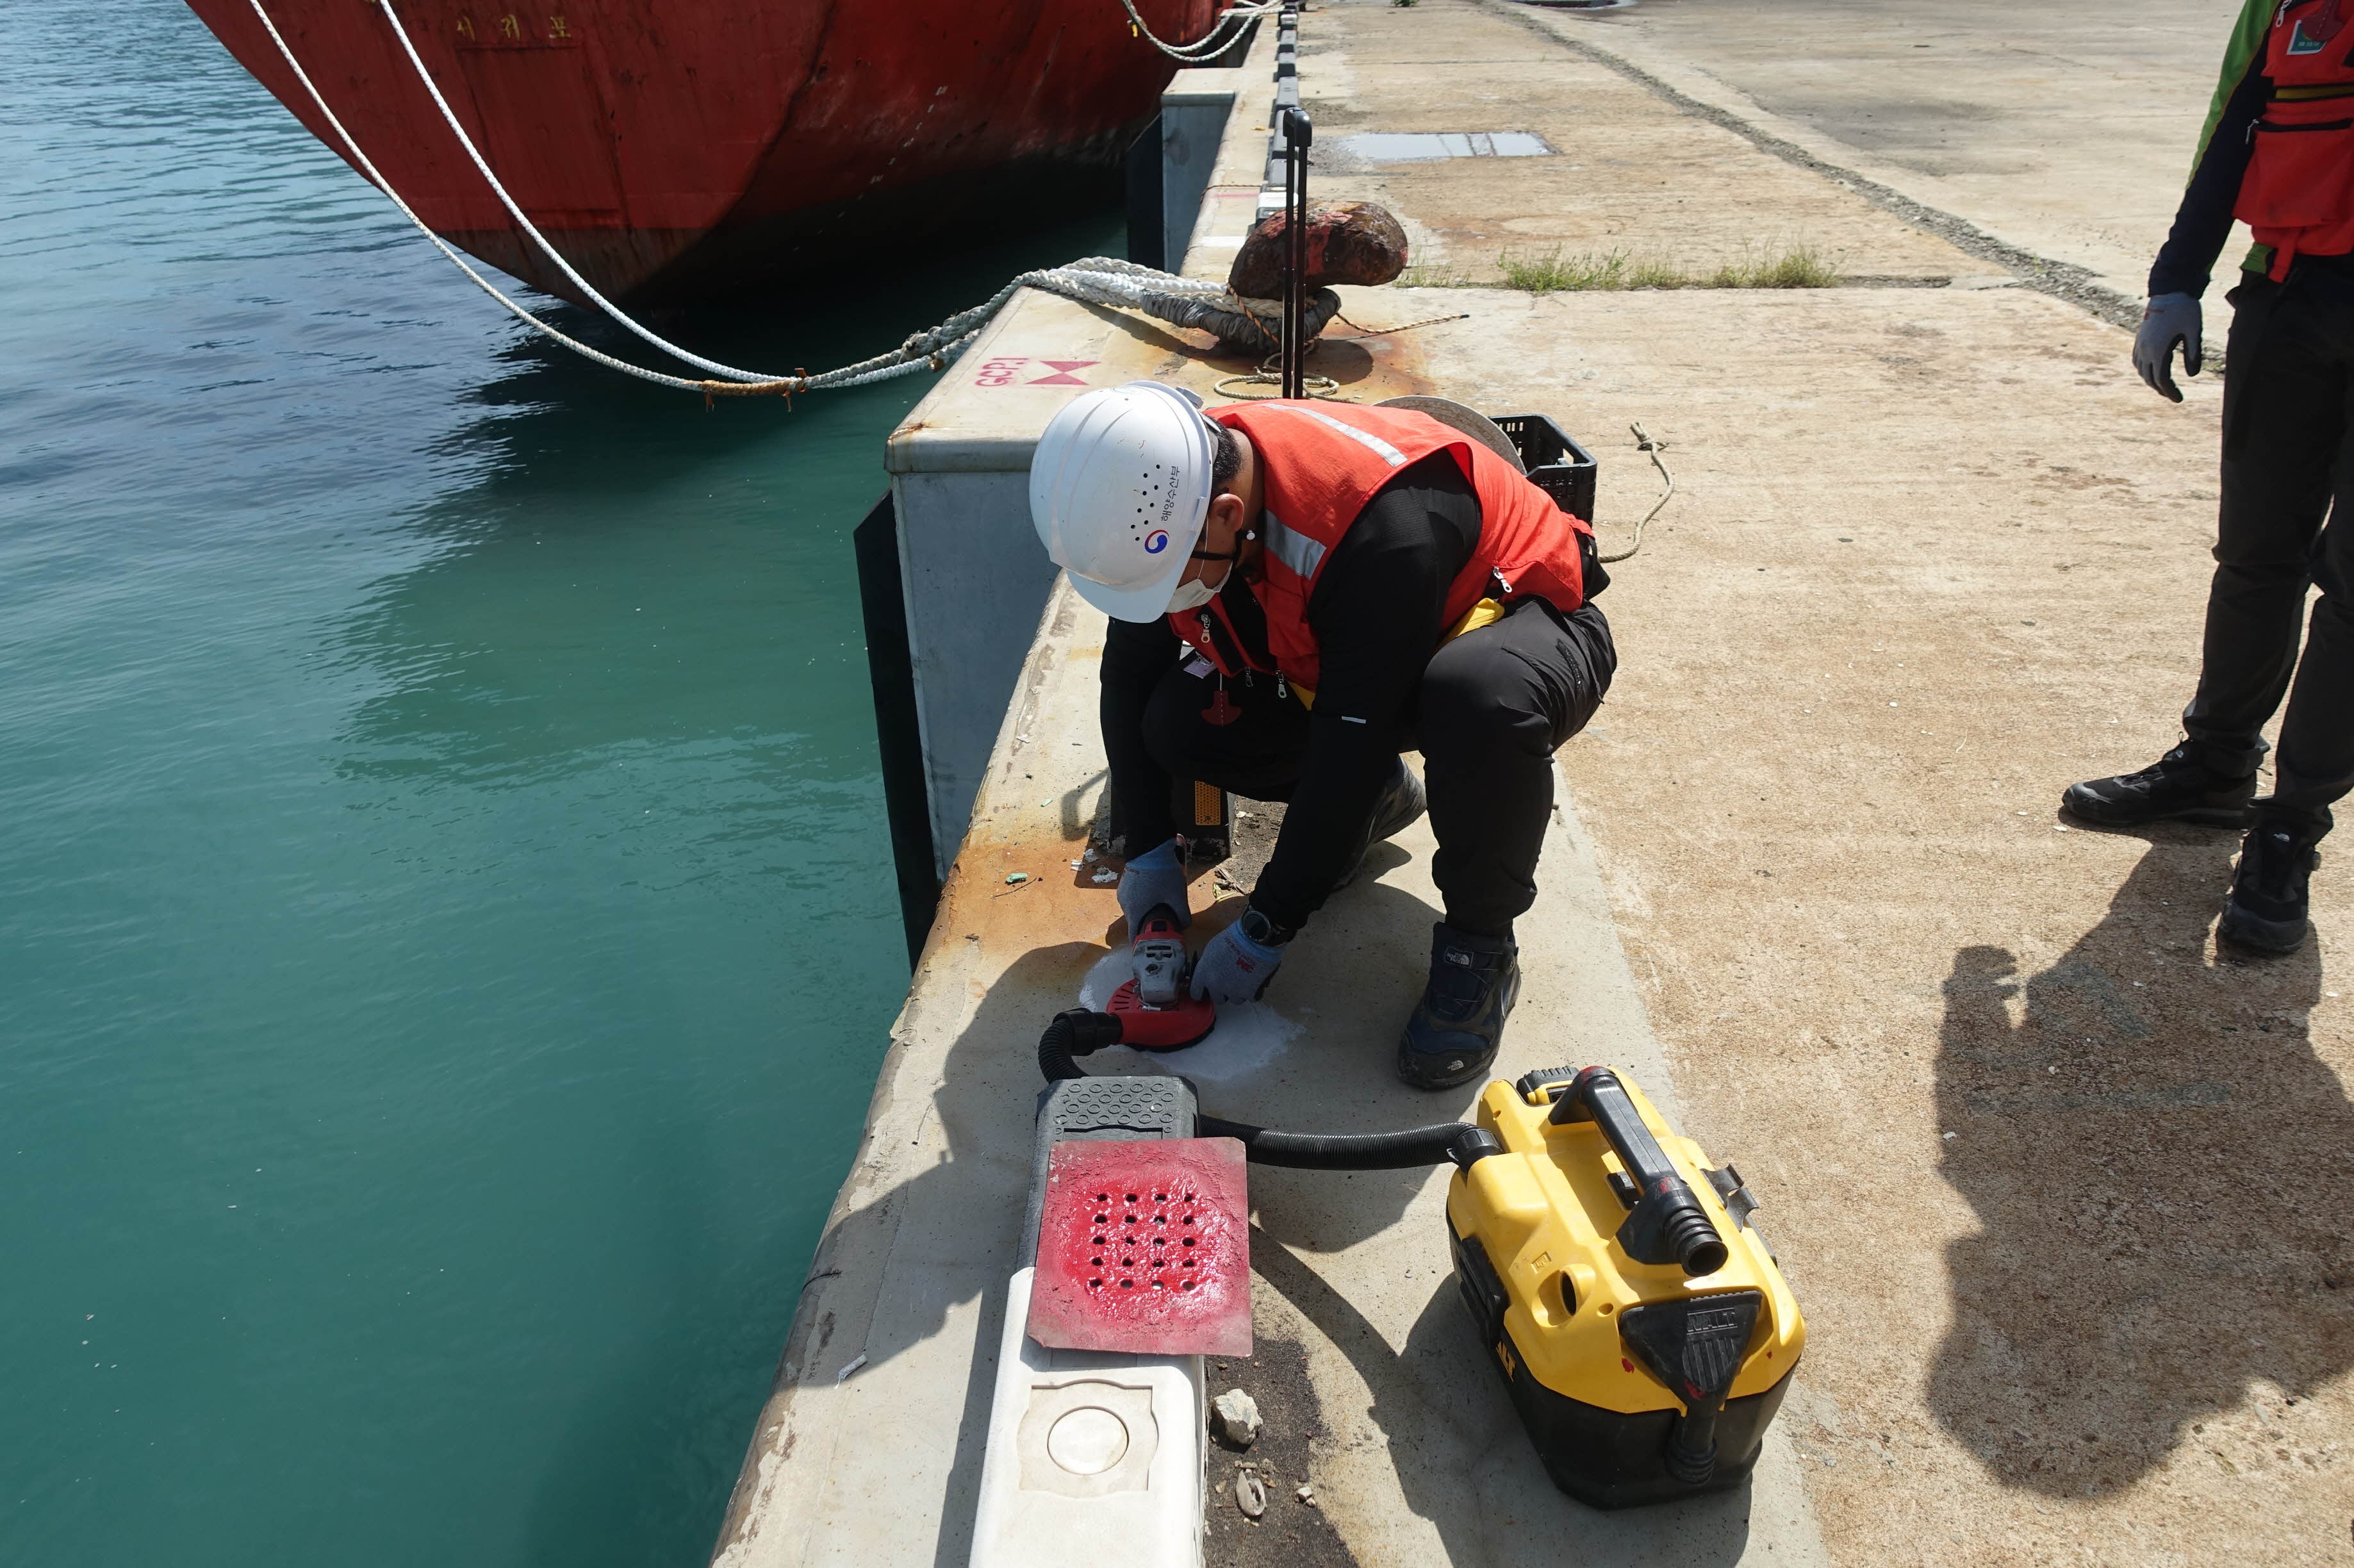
(1300, 591)
(2277, 152)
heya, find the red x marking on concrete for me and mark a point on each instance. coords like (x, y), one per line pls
(1064, 367)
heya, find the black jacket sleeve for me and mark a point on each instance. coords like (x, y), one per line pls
(2203, 222)
(1136, 656)
(1376, 613)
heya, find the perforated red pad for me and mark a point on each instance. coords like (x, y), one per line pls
(1145, 1247)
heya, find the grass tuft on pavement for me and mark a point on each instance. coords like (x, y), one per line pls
(1801, 267)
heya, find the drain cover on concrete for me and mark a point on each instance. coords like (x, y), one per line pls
(1144, 1248)
(1420, 147)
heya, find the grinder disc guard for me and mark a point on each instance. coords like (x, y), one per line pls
(1184, 1022)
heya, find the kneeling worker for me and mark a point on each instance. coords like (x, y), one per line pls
(1300, 591)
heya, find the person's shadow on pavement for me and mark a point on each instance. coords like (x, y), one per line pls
(2156, 1158)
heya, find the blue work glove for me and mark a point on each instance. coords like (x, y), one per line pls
(1235, 968)
(2170, 319)
(1156, 876)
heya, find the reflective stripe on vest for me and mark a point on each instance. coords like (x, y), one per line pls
(1297, 551)
(1372, 442)
(1322, 464)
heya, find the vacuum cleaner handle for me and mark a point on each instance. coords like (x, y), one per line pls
(1668, 1224)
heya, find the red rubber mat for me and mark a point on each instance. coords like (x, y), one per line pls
(1145, 1247)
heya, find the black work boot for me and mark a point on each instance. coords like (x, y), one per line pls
(1456, 1028)
(2179, 787)
(1401, 805)
(2267, 910)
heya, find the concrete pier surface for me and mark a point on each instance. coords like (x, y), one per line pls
(2052, 1179)
(2066, 131)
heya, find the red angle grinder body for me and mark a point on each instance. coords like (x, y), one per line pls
(1157, 1010)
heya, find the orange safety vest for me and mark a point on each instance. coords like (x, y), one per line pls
(2298, 193)
(1321, 463)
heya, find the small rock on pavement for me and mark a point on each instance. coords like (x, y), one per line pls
(1249, 1496)
(1234, 1419)
(1305, 1494)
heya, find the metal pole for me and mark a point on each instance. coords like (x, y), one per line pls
(1298, 135)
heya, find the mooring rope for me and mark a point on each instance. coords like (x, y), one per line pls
(1216, 41)
(376, 178)
(498, 188)
(1092, 280)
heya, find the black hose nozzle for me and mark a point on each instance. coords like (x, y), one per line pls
(1695, 1466)
(1077, 1032)
(1669, 1225)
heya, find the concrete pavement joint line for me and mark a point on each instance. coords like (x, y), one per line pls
(2079, 286)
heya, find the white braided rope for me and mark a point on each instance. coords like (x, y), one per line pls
(376, 179)
(1093, 280)
(620, 318)
(1216, 41)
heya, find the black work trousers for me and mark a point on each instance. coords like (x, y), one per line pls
(2288, 465)
(1495, 705)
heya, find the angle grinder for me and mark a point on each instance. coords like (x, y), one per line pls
(1156, 1009)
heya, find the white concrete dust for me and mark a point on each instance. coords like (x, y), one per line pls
(1247, 1039)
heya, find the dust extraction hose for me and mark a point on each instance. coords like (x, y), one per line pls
(1079, 1033)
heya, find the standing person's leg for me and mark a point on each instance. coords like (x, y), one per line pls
(2282, 422)
(2314, 767)
(1495, 705)
(2283, 426)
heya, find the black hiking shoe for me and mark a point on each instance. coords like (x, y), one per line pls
(2177, 788)
(1401, 805)
(2266, 912)
(1456, 1028)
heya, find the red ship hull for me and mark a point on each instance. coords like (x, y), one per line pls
(680, 148)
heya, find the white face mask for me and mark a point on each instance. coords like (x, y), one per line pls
(1190, 596)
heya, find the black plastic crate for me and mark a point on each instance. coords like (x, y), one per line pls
(1556, 464)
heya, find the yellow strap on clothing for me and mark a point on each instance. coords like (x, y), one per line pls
(1487, 613)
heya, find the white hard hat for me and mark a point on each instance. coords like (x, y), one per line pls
(1120, 485)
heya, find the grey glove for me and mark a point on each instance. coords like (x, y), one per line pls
(1235, 968)
(2170, 319)
(1156, 876)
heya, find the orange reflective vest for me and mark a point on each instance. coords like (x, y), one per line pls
(2298, 193)
(1321, 463)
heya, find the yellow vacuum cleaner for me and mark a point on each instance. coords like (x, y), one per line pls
(1635, 1315)
(1637, 1319)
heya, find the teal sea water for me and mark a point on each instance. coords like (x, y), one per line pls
(447, 934)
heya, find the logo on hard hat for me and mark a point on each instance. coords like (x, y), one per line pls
(1156, 541)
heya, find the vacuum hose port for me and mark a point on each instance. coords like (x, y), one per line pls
(1077, 1032)
(1698, 1249)
(1669, 1225)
